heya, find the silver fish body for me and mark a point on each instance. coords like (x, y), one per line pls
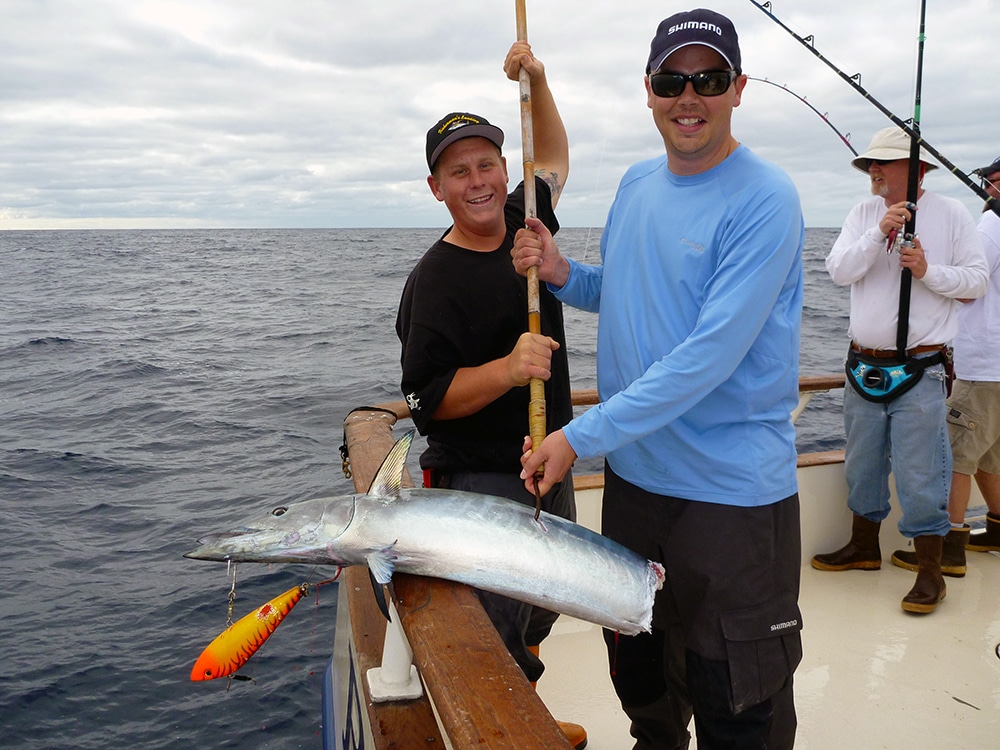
(488, 542)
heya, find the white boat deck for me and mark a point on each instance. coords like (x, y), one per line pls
(872, 675)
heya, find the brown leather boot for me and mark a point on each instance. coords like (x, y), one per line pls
(576, 734)
(929, 589)
(861, 553)
(990, 541)
(952, 554)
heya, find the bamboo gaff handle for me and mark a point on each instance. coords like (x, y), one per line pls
(536, 404)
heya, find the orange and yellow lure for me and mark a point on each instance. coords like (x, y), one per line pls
(236, 644)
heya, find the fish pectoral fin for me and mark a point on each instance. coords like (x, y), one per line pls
(382, 564)
(383, 605)
(388, 480)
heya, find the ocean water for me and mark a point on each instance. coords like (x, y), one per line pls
(158, 385)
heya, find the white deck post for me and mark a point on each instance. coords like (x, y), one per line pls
(397, 679)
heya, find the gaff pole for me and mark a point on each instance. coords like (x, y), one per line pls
(855, 82)
(536, 403)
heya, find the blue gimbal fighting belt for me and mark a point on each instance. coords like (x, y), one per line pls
(882, 380)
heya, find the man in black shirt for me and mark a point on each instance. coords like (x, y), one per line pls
(467, 357)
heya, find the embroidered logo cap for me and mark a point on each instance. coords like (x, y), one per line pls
(455, 126)
(988, 169)
(699, 26)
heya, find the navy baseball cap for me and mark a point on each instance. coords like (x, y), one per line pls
(455, 126)
(699, 26)
(988, 169)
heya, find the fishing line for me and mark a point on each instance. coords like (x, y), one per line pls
(597, 187)
(855, 82)
(845, 138)
(232, 594)
(822, 115)
(315, 619)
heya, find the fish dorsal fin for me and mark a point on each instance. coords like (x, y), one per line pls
(389, 479)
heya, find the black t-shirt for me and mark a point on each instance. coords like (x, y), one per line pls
(462, 308)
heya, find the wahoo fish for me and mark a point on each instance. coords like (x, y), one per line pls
(490, 543)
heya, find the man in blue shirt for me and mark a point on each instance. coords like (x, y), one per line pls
(699, 294)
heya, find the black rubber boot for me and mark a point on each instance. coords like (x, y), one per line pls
(861, 553)
(988, 542)
(952, 554)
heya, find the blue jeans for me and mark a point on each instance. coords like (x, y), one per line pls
(909, 437)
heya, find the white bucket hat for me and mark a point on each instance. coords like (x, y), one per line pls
(889, 144)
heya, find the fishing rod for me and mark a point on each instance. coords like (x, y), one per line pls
(822, 115)
(855, 82)
(912, 193)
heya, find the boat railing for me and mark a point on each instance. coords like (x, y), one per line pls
(809, 386)
(476, 689)
(476, 694)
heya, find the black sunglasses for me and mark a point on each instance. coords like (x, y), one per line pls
(706, 83)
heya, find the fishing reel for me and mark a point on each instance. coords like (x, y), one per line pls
(898, 240)
(901, 240)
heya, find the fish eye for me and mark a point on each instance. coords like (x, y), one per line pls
(280, 510)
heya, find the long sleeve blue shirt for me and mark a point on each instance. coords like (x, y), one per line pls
(700, 297)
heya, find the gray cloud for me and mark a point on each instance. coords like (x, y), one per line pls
(225, 113)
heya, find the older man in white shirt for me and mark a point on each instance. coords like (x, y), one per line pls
(906, 433)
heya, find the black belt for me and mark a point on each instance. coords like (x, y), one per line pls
(892, 354)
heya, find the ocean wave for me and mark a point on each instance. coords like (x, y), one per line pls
(160, 385)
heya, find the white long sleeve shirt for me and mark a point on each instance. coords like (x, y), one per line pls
(956, 269)
(977, 345)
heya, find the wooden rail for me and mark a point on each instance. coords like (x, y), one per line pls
(478, 691)
(588, 396)
(481, 695)
(817, 383)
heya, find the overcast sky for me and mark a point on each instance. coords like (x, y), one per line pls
(312, 113)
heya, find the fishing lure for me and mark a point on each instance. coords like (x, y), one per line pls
(236, 644)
